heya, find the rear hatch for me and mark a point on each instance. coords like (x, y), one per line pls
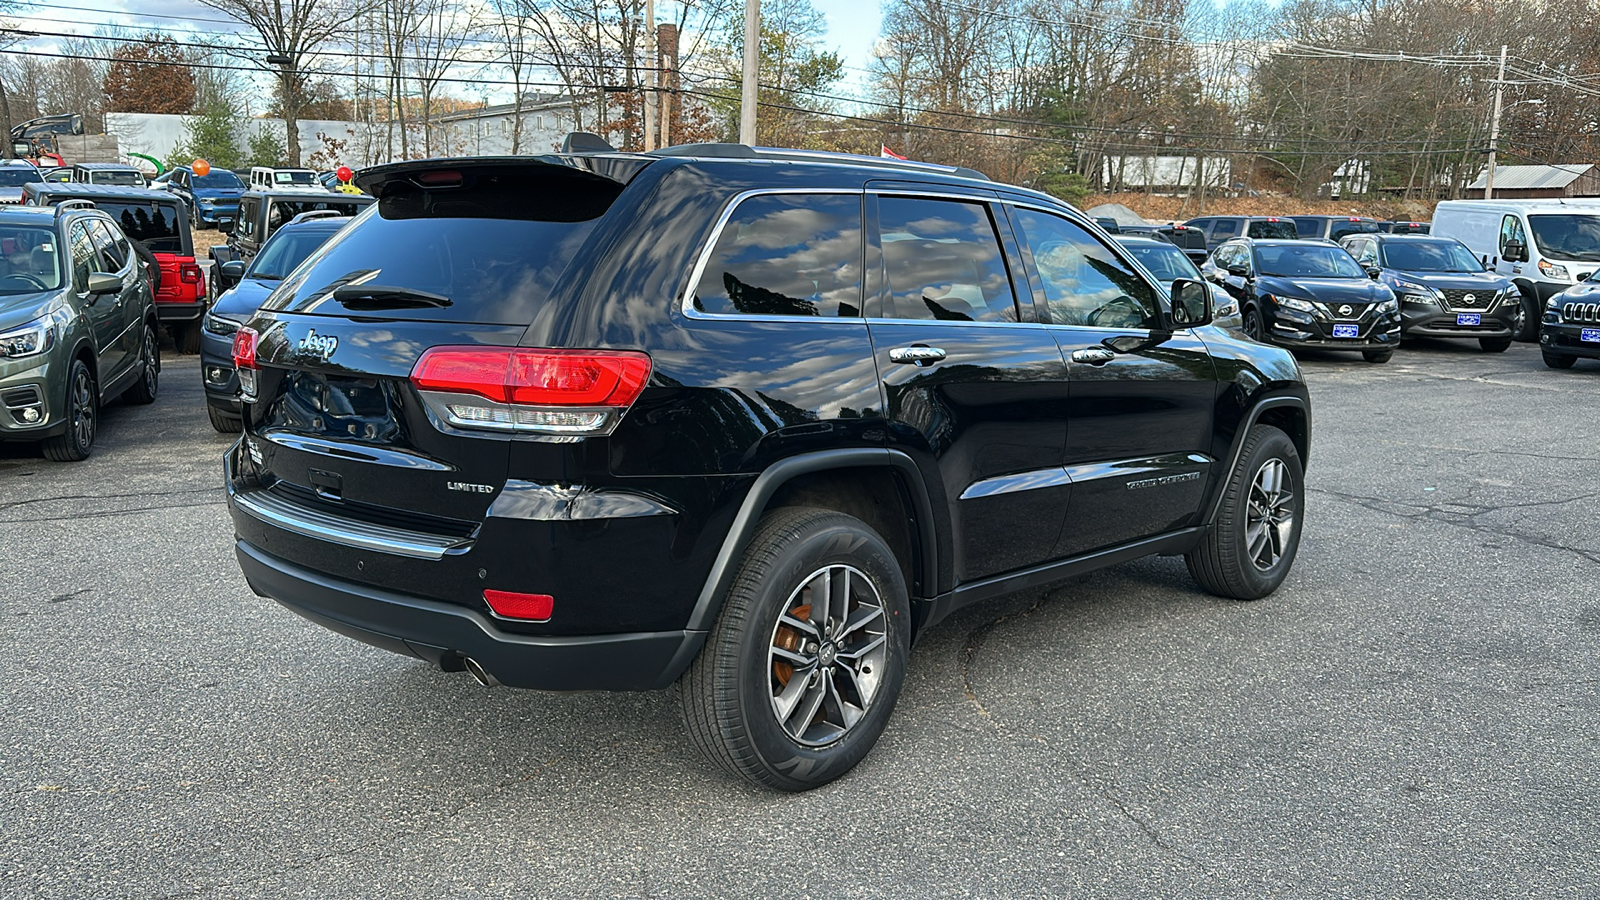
(456, 254)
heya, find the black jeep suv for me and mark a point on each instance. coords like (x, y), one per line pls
(746, 421)
(1307, 294)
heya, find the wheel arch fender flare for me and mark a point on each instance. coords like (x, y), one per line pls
(1252, 417)
(767, 483)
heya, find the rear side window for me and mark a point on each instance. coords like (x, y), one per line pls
(1225, 228)
(281, 211)
(942, 260)
(481, 247)
(1281, 229)
(1307, 227)
(83, 258)
(786, 255)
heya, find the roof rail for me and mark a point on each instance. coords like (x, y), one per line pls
(742, 151)
(316, 214)
(74, 203)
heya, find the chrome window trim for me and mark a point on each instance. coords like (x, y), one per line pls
(1163, 295)
(686, 301)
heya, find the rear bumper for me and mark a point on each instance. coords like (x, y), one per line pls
(217, 374)
(443, 634)
(169, 311)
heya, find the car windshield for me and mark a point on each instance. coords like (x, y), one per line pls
(284, 251)
(1430, 256)
(1164, 261)
(280, 212)
(1575, 236)
(216, 179)
(29, 260)
(294, 178)
(124, 179)
(16, 176)
(1307, 261)
(151, 223)
(1281, 229)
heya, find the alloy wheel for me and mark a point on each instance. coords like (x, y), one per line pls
(1252, 324)
(827, 657)
(81, 409)
(1519, 319)
(152, 361)
(1269, 519)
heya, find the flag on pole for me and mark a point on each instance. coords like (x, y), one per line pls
(886, 153)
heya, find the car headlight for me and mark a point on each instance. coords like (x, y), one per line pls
(1550, 270)
(1296, 303)
(207, 201)
(31, 339)
(218, 325)
(1226, 310)
(1390, 306)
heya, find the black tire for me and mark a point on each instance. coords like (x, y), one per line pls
(1253, 328)
(82, 405)
(1558, 360)
(186, 337)
(1525, 326)
(1495, 345)
(144, 390)
(1223, 562)
(224, 422)
(733, 691)
(1377, 356)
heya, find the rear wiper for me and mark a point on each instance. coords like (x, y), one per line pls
(381, 296)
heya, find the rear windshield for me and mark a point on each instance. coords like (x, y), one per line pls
(472, 245)
(284, 251)
(153, 224)
(294, 178)
(125, 179)
(1281, 229)
(1346, 227)
(29, 260)
(16, 176)
(1164, 261)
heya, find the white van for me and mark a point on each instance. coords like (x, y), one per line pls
(1543, 246)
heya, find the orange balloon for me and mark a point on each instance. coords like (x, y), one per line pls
(201, 168)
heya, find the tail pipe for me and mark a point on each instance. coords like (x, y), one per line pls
(479, 673)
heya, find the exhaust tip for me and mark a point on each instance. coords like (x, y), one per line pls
(479, 673)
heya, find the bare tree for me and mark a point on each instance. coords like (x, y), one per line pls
(293, 31)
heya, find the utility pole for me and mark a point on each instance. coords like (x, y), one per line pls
(752, 62)
(1494, 125)
(651, 80)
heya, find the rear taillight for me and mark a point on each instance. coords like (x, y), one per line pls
(563, 392)
(244, 359)
(189, 273)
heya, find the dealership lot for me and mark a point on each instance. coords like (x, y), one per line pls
(1414, 712)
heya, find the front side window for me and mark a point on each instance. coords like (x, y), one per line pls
(1575, 237)
(786, 255)
(1225, 228)
(1084, 282)
(83, 258)
(110, 254)
(942, 260)
(1511, 230)
(1366, 252)
(28, 260)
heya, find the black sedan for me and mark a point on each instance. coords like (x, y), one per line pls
(1444, 290)
(1307, 294)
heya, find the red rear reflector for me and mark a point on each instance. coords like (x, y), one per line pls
(535, 377)
(244, 348)
(512, 605)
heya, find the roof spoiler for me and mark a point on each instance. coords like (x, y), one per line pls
(618, 168)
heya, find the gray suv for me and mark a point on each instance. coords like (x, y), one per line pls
(77, 325)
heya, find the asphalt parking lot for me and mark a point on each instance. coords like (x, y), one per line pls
(1415, 713)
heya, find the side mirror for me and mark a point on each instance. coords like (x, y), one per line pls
(1514, 251)
(104, 283)
(1191, 304)
(225, 225)
(232, 270)
(1373, 272)
(1241, 271)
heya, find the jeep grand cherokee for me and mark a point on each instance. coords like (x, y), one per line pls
(746, 421)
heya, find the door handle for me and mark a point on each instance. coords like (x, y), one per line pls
(916, 355)
(1093, 356)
